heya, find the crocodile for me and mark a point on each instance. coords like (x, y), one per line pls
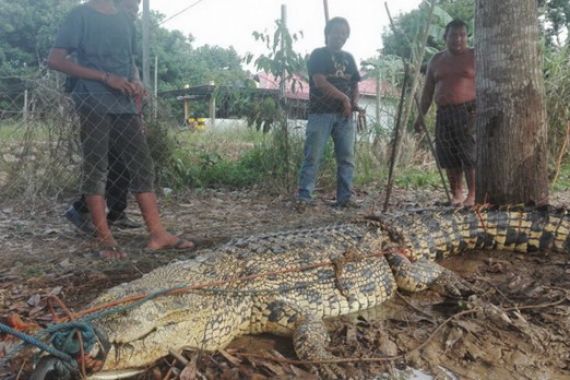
(286, 282)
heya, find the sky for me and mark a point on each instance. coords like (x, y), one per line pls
(231, 22)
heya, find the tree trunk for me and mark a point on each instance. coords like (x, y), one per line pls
(511, 122)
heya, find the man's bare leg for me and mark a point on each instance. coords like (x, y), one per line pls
(159, 237)
(470, 179)
(96, 205)
(456, 184)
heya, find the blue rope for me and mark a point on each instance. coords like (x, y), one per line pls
(35, 342)
(62, 336)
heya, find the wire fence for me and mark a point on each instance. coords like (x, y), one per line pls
(58, 146)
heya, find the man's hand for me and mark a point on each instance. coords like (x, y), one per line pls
(139, 88)
(121, 84)
(346, 107)
(360, 110)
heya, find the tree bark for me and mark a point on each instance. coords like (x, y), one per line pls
(511, 118)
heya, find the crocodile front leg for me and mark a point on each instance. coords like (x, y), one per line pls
(310, 336)
(423, 274)
(416, 276)
(284, 317)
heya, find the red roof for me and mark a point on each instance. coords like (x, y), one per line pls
(366, 86)
(269, 82)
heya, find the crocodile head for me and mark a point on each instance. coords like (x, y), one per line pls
(141, 335)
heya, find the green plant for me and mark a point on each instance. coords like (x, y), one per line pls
(413, 178)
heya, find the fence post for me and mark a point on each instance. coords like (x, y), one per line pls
(146, 43)
(155, 94)
(212, 105)
(25, 109)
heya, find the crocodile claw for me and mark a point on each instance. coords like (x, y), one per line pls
(450, 284)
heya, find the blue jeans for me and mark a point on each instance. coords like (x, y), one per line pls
(319, 128)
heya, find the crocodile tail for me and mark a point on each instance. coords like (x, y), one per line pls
(434, 234)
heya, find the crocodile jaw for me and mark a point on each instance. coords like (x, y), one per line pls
(113, 375)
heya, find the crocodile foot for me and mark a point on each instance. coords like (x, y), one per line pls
(451, 284)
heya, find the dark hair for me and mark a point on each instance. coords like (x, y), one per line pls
(335, 21)
(455, 24)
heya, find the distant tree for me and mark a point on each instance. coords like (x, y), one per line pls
(28, 28)
(180, 63)
(557, 21)
(511, 120)
(409, 24)
(26, 32)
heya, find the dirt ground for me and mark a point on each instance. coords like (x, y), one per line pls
(516, 326)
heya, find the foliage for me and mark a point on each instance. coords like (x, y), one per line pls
(557, 21)
(28, 27)
(282, 61)
(410, 24)
(162, 148)
(414, 178)
(557, 86)
(284, 64)
(206, 161)
(563, 183)
(180, 64)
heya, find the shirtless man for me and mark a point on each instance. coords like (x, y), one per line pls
(450, 81)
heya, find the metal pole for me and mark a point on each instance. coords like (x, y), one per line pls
(283, 94)
(146, 47)
(378, 92)
(422, 121)
(282, 89)
(25, 108)
(213, 106)
(326, 5)
(155, 94)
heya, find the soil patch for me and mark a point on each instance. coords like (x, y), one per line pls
(515, 326)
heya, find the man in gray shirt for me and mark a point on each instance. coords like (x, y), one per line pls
(117, 186)
(102, 37)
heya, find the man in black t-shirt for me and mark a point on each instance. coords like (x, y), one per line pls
(333, 94)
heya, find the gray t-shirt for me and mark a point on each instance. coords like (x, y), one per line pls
(101, 42)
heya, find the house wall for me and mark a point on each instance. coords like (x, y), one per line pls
(387, 112)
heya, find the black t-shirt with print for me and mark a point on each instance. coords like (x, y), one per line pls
(340, 70)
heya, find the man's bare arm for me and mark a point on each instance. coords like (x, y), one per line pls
(331, 91)
(58, 60)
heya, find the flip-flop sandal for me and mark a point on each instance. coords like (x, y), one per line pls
(111, 253)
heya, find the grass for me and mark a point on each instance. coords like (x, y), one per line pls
(16, 131)
(233, 158)
(563, 182)
(245, 157)
(414, 178)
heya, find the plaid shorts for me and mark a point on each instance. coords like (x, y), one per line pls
(122, 133)
(455, 136)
